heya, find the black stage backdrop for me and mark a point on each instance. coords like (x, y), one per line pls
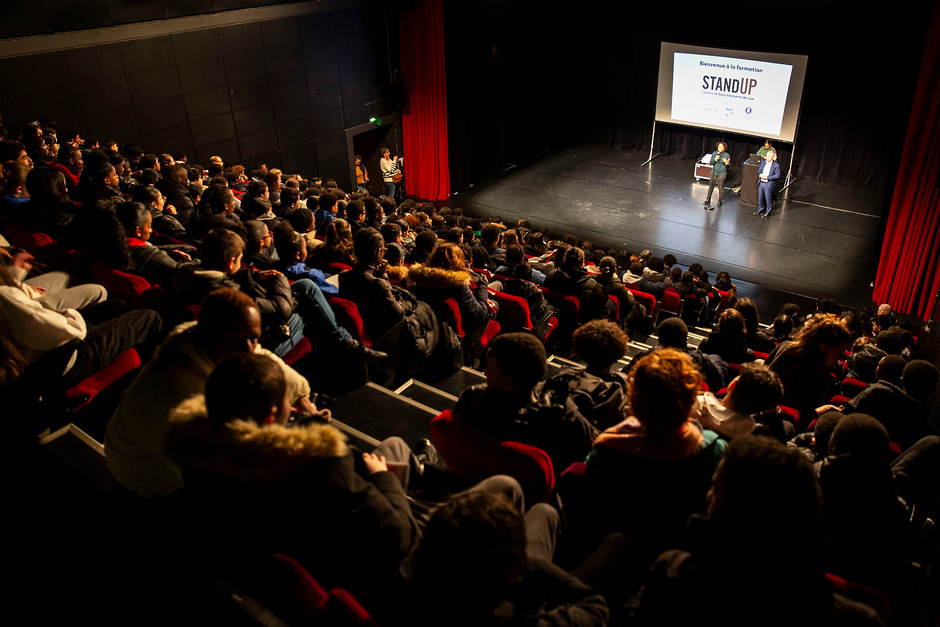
(529, 76)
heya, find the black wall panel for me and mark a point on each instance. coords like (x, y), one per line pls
(281, 92)
(33, 87)
(100, 94)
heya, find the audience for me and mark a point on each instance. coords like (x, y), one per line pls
(663, 433)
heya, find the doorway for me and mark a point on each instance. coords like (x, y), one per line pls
(365, 141)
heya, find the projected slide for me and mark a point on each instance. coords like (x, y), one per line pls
(723, 91)
(747, 92)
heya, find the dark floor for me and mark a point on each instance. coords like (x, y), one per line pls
(821, 241)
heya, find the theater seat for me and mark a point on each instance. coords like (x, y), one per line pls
(128, 287)
(293, 594)
(84, 392)
(475, 455)
(348, 316)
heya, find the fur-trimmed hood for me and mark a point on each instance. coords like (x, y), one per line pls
(243, 450)
(424, 276)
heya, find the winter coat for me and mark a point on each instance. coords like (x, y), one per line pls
(270, 489)
(134, 438)
(436, 285)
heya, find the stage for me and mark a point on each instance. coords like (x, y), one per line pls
(821, 241)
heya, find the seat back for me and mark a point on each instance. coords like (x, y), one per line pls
(295, 595)
(475, 455)
(852, 386)
(569, 308)
(128, 287)
(82, 393)
(347, 315)
(27, 240)
(335, 267)
(671, 302)
(513, 310)
(646, 299)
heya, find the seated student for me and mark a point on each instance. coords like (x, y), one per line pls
(508, 407)
(673, 333)
(216, 209)
(864, 521)
(757, 389)
(386, 309)
(903, 409)
(155, 263)
(483, 543)
(395, 257)
(301, 219)
(425, 242)
(70, 334)
(288, 312)
(342, 514)
(49, 209)
(632, 313)
(729, 340)
(174, 185)
(867, 353)
(804, 365)
(291, 249)
(326, 211)
(723, 283)
(445, 275)
(775, 334)
(572, 279)
(522, 285)
(229, 322)
(756, 557)
(815, 444)
(337, 247)
(259, 248)
(514, 256)
(601, 395)
(634, 278)
(164, 215)
(647, 474)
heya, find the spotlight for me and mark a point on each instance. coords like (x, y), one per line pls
(375, 120)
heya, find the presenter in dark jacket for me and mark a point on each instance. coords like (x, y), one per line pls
(719, 162)
(767, 180)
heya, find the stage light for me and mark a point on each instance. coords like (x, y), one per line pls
(375, 120)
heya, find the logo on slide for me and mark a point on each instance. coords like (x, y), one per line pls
(748, 110)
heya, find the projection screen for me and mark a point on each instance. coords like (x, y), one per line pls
(754, 93)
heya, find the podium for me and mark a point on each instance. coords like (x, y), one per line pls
(749, 172)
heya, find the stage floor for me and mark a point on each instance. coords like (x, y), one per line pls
(821, 240)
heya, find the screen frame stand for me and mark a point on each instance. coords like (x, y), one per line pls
(790, 179)
(652, 142)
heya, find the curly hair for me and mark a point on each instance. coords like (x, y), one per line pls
(663, 389)
(822, 329)
(600, 343)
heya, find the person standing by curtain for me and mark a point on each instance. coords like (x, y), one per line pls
(719, 162)
(362, 175)
(390, 170)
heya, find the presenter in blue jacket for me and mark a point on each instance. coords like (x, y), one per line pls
(767, 176)
(719, 162)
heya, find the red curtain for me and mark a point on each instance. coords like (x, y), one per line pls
(909, 268)
(424, 120)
